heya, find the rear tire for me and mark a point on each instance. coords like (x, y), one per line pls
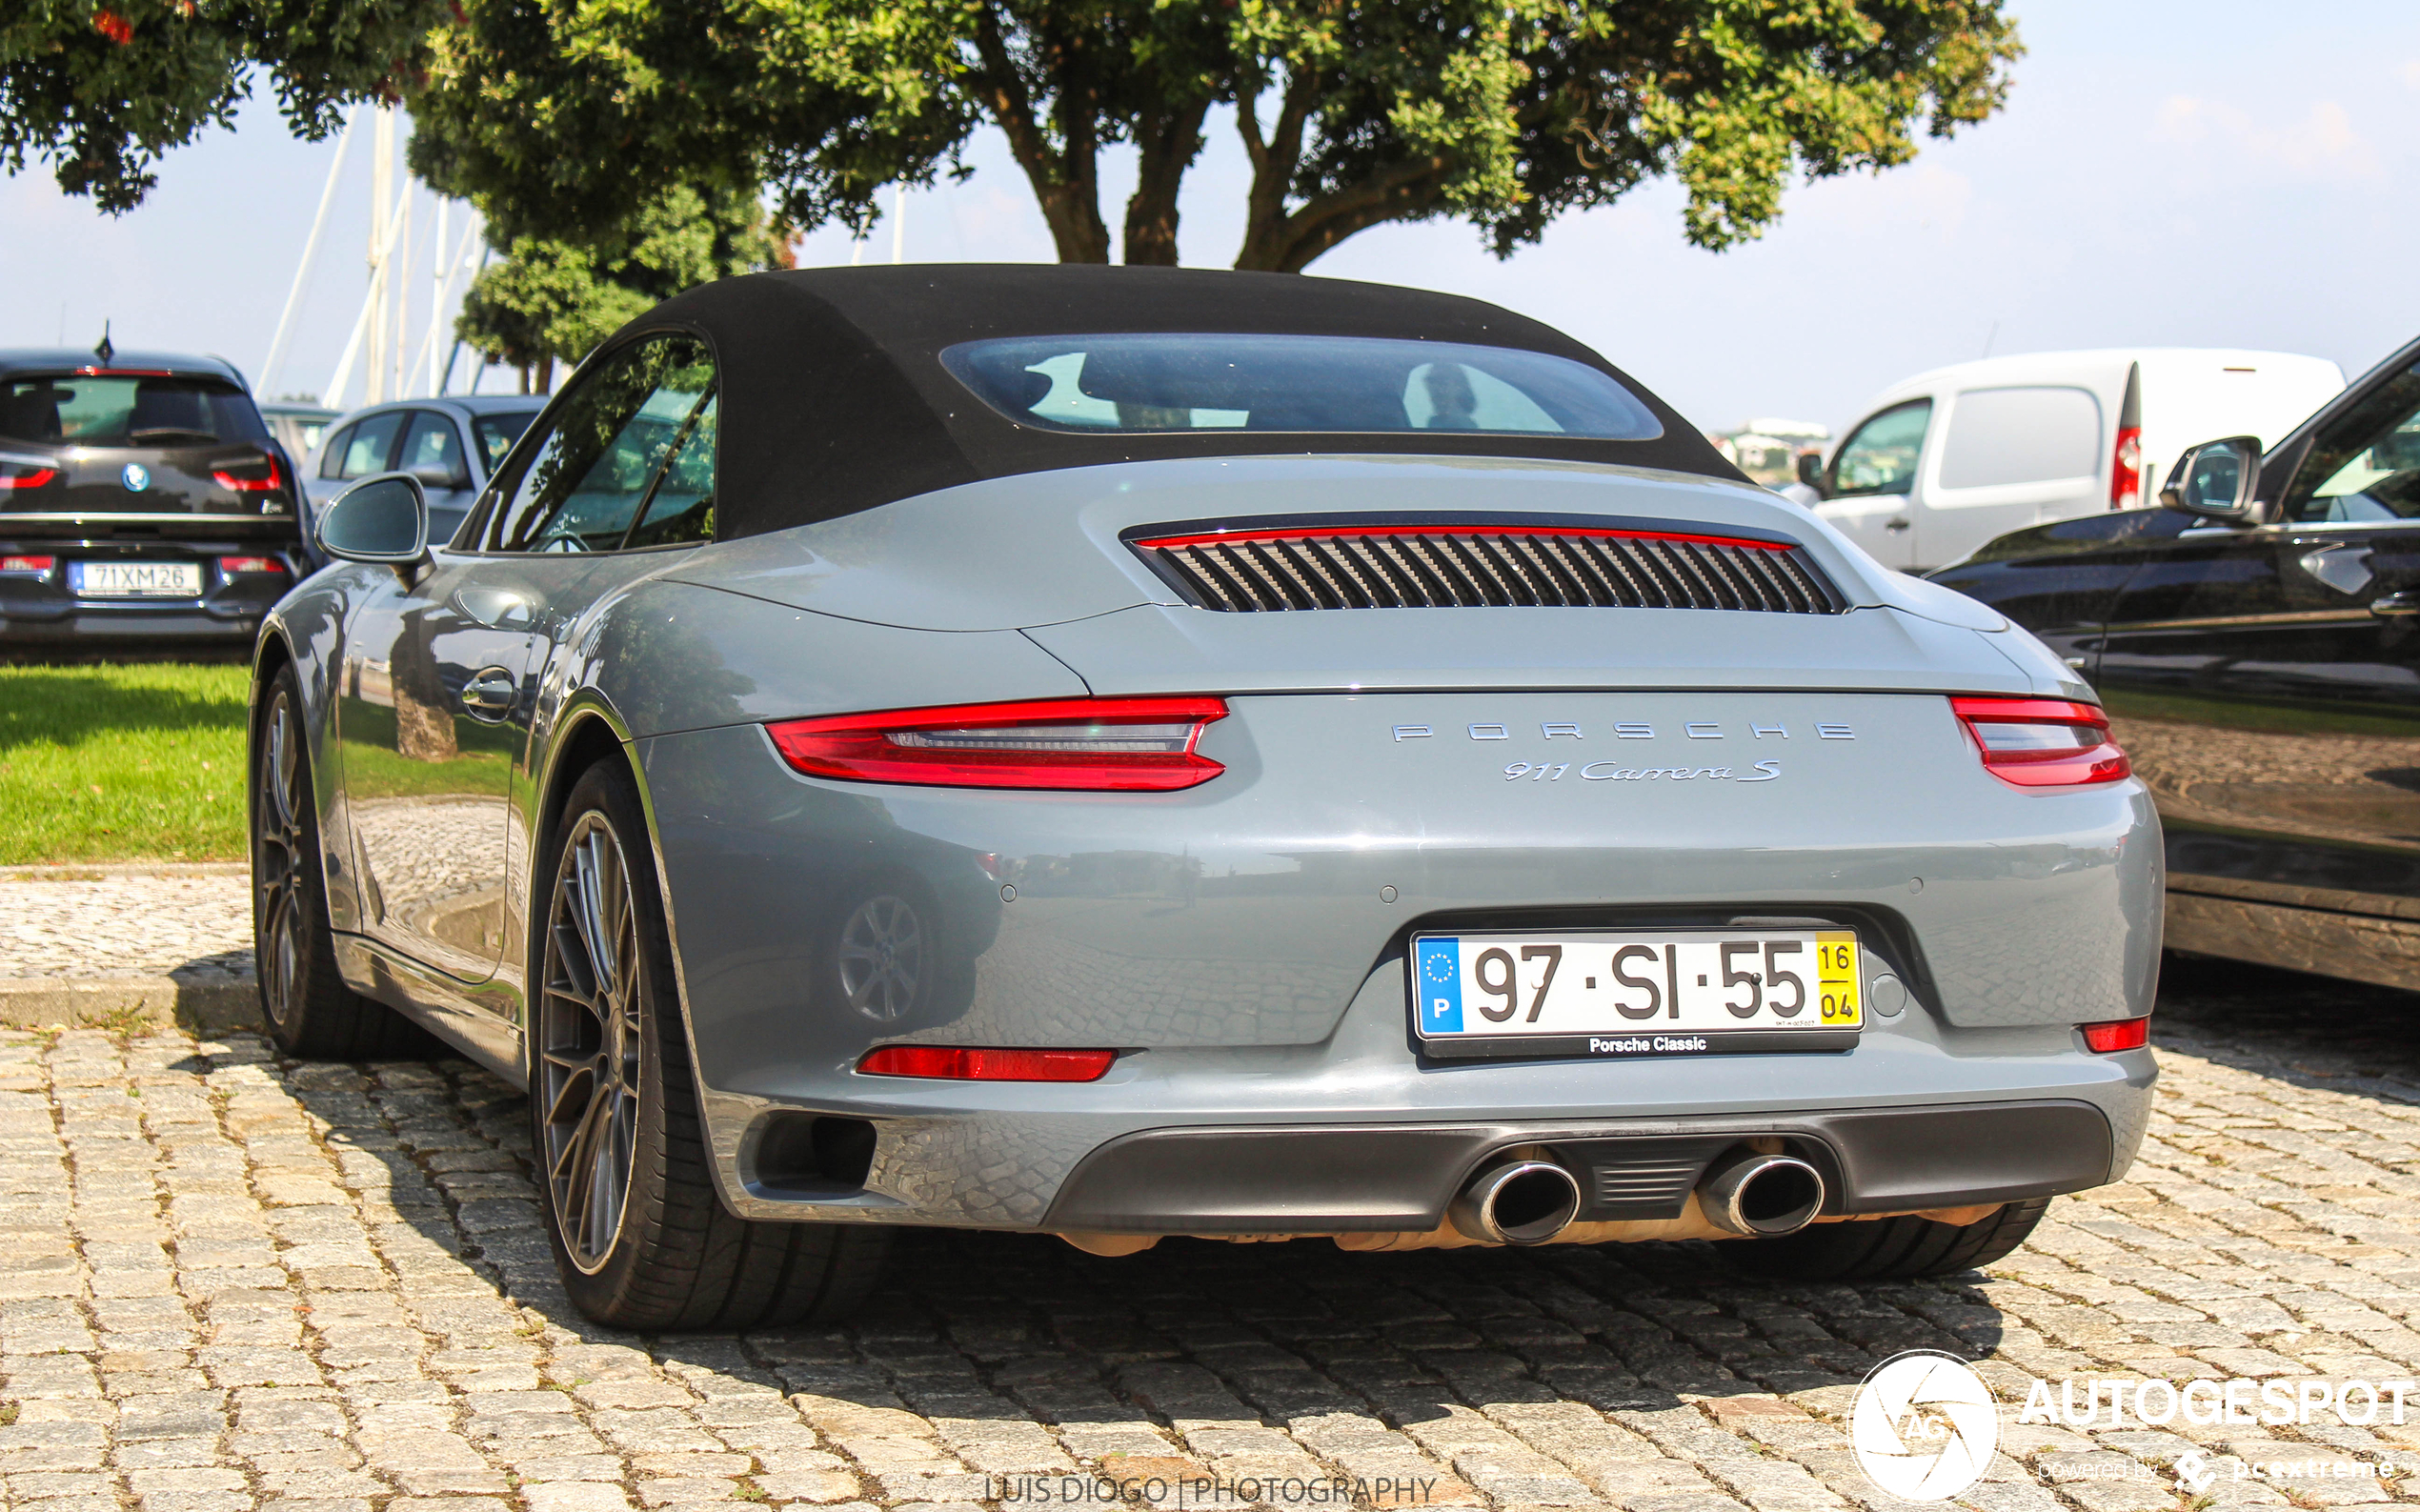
(1886, 1249)
(626, 1177)
(310, 1011)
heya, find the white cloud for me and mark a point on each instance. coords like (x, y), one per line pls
(2323, 144)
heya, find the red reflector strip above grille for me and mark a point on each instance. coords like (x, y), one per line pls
(957, 1064)
(2122, 1034)
(1102, 745)
(2043, 742)
(1305, 532)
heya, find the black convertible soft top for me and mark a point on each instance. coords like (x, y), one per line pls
(835, 399)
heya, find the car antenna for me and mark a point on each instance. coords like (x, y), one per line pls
(105, 351)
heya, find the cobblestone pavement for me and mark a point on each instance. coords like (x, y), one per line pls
(235, 1283)
(112, 921)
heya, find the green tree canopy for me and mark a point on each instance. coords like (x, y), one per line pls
(1352, 112)
(553, 299)
(100, 91)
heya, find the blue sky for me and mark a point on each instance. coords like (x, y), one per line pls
(2220, 174)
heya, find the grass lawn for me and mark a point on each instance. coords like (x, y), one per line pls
(121, 763)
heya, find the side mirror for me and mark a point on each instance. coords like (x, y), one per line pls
(1810, 469)
(2216, 479)
(378, 519)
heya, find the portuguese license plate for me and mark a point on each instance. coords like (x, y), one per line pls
(1635, 994)
(137, 579)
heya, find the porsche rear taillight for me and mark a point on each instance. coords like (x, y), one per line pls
(2043, 742)
(961, 1063)
(1102, 745)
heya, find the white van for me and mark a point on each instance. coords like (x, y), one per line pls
(1949, 460)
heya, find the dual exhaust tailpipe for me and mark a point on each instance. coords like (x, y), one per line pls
(1746, 1192)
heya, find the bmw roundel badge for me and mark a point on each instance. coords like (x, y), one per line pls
(137, 478)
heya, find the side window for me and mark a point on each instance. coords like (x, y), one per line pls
(331, 462)
(367, 447)
(1881, 456)
(606, 445)
(682, 510)
(433, 448)
(2366, 464)
(2021, 435)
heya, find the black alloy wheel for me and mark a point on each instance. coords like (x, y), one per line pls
(310, 1011)
(640, 1234)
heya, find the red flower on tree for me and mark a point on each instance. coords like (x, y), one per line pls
(113, 26)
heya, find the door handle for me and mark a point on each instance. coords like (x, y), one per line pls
(491, 693)
(1895, 526)
(2404, 603)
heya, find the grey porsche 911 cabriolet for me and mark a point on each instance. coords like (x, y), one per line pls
(1128, 752)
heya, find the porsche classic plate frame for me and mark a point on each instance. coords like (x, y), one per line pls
(1635, 994)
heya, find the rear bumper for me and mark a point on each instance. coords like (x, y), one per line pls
(1399, 1178)
(126, 629)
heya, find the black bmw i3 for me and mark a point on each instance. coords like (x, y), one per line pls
(145, 507)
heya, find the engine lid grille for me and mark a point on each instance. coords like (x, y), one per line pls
(1526, 562)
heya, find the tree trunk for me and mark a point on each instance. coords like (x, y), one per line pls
(1167, 150)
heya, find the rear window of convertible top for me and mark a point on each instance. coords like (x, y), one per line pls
(1132, 382)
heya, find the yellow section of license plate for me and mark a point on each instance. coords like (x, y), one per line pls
(1836, 979)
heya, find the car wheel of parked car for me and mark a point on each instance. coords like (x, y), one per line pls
(310, 1011)
(628, 1183)
(1887, 1249)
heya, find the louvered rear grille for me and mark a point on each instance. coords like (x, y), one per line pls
(1432, 568)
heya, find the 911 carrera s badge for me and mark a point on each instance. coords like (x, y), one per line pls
(137, 478)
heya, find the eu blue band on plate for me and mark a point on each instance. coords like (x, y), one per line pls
(1440, 986)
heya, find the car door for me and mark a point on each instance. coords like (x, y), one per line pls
(2266, 680)
(2008, 459)
(435, 451)
(444, 664)
(1866, 486)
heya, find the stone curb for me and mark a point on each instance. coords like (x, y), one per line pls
(129, 1002)
(97, 871)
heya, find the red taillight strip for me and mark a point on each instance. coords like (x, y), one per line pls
(2118, 1034)
(1300, 533)
(28, 564)
(2126, 469)
(39, 478)
(858, 748)
(232, 565)
(957, 1064)
(2057, 767)
(271, 484)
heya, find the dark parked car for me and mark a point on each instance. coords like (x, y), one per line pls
(2257, 645)
(144, 505)
(450, 445)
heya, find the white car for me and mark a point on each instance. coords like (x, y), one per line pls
(1949, 460)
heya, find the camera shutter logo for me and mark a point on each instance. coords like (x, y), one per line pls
(1924, 1426)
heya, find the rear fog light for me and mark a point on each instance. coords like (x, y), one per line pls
(230, 566)
(28, 564)
(955, 1063)
(2122, 1034)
